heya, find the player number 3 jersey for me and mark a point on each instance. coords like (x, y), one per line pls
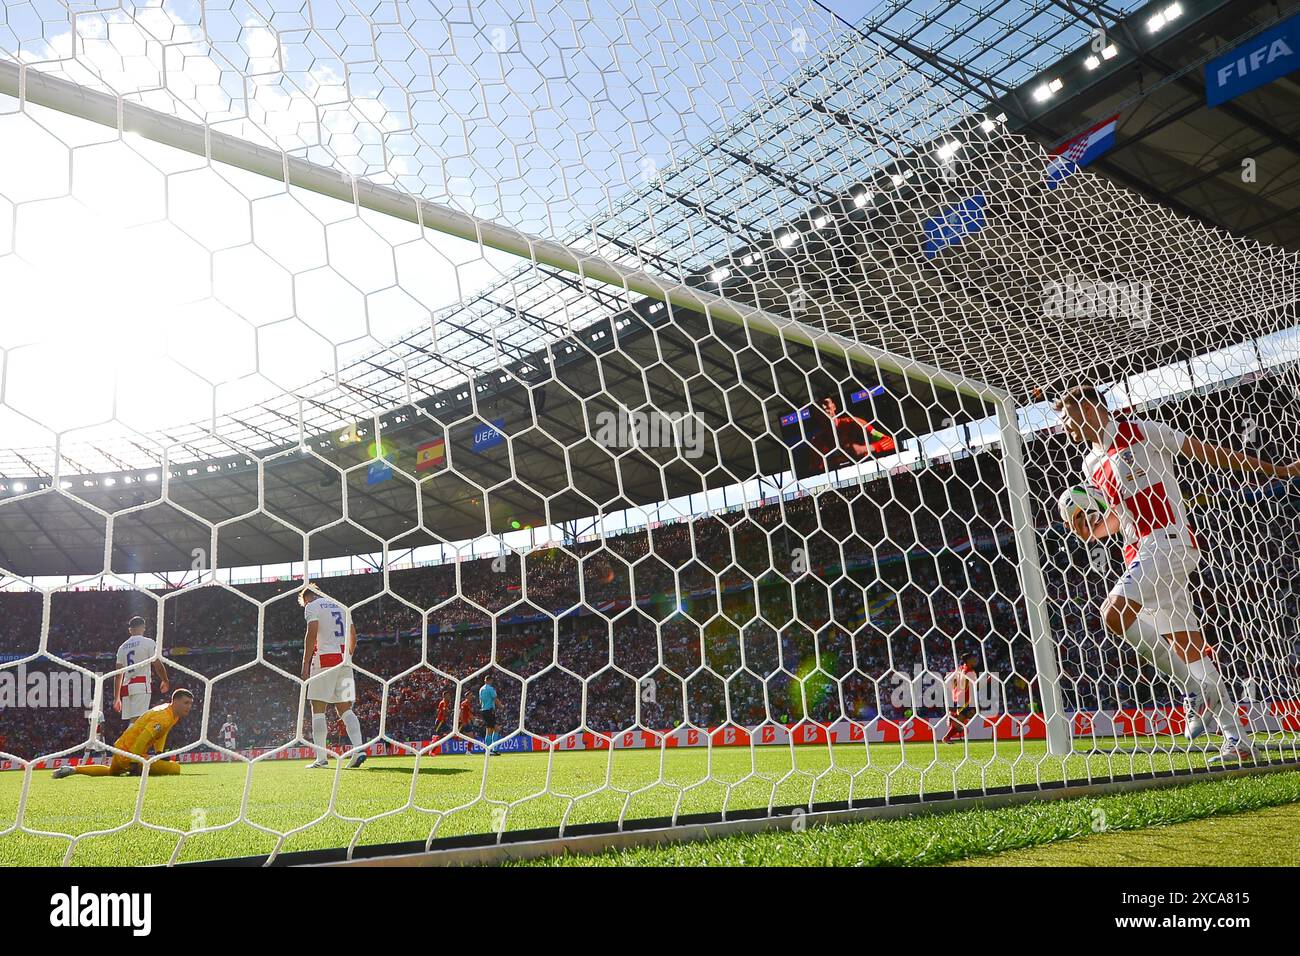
(331, 631)
(1134, 466)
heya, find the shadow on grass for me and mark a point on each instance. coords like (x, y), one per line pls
(423, 771)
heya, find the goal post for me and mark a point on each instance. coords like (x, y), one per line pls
(115, 113)
(1031, 580)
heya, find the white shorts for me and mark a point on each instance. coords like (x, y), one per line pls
(333, 685)
(1159, 579)
(134, 705)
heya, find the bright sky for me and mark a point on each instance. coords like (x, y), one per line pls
(138, 272)
(116, 296)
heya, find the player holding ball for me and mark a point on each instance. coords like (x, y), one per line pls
(1132, 462)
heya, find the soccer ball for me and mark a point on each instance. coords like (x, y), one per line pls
(1081, 498)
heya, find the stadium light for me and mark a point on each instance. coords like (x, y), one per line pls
(1109, 53)
(948, 150)
(861, 199)
(821, 221)
(1048, 90)
(987, 125)
(1165, 17)
(718, 275)
(786, 240)
(749, 260)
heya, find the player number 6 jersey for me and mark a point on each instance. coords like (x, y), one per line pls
(136, 655)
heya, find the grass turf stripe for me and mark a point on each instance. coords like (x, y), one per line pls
(932, 840)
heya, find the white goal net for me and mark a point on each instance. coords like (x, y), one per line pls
(660, 392)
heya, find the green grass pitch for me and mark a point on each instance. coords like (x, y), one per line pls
(1266, 837)
(1243, 821)
(384, 801)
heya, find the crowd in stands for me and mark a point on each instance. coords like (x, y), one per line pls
(818, 607)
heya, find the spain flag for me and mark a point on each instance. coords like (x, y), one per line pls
(431, 454)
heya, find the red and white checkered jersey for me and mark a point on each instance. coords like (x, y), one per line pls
(136, 655)
(1134, 466)
(228, 730)
(331, 630)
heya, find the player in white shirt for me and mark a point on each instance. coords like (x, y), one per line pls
(137, 662)
(228, 732)
(1132, 461)
(327, 667)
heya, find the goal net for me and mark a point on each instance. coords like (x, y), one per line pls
(662, 394)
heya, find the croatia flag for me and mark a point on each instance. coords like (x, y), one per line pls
(1081, 150)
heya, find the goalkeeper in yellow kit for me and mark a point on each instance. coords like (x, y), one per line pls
(148, 732)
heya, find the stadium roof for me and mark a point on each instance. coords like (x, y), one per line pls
(781, 155)
(1170, 146)
(538, 475)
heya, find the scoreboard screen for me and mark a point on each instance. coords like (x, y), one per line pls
(835, 432)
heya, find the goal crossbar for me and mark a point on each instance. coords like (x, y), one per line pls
(28, 85)
(32, 86)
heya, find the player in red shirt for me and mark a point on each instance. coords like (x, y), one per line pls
(440, 721)
(1132, 461)
(465, 716)
(960, 685)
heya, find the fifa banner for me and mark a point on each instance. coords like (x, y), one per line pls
(1260, 60)
(1279, 717)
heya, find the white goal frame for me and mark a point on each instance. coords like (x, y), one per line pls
(114, 112)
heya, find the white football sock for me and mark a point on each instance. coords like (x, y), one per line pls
(1215, 692)
(353, 727)
(1155, 648)
(320, 733)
